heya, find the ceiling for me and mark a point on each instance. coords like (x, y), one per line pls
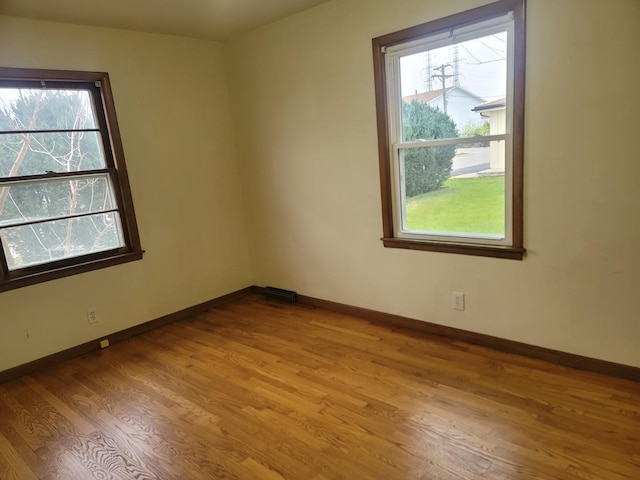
(208, 19)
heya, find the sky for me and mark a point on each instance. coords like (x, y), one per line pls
(482, 67)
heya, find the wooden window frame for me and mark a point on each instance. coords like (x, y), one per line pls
(515, 250)
(115, 167)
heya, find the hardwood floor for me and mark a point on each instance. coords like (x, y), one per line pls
(261, 390)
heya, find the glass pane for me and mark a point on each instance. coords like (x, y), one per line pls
(28, 245)
(54, 198)
(456, 90)
(454, 190)
(45, 109)
(38, 153)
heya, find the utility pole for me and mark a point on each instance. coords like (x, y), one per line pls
(443, 78)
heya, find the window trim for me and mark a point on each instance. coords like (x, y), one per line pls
(117, 170)
(390, 239)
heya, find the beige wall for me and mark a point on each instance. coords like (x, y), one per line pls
(173, 109)
(302, 96)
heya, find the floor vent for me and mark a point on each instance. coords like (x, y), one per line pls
(280, 294)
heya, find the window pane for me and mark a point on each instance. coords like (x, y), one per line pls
(45, 109)
(38, 153)
(28, 245)
(466, 81)
(469, 202)
(54, 198)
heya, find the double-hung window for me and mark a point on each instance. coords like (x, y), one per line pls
(65, 201)
(450, 103)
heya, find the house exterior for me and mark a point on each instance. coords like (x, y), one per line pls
(496, 113)
(457, 102)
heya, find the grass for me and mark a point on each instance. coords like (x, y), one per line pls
(463, 205)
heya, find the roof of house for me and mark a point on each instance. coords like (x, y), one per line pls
(493, 105)
(425, 97)
(431, 95)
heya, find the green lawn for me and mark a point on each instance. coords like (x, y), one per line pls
(463, 205)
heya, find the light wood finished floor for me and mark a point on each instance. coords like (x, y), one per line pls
(260, 390)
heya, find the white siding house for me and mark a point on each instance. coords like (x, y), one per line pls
(496, 112)
(457, 102)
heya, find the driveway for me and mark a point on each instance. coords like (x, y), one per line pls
(470, 160)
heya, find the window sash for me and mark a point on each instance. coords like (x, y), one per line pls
(61, 242)
(451, 36)
(393, 54)
(450, 141)
(108, 196)
(101, 119)
(399, 201)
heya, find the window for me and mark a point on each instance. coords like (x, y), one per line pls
(65, 202)
(450, 104)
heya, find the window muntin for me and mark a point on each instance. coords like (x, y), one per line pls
(457, 54)
(65, 204)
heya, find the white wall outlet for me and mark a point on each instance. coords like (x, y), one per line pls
(92, 315)
(104, 343)
(457, 300)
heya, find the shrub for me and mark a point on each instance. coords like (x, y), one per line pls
(471, 129)
(426, 169)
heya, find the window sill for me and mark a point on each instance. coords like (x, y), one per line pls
(87, 265)
(512, 253)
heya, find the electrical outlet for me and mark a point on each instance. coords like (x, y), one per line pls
(92, 315)
(104, 343)
(457, 300)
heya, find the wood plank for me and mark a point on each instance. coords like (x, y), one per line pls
(254, 389)
(12, 465)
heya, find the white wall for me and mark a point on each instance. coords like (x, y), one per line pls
(173, 108)
(303, 103)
